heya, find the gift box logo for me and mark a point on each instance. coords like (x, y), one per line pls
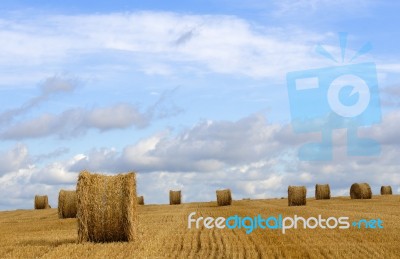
(337, 97)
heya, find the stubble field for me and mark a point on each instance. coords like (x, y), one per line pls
(163, 232)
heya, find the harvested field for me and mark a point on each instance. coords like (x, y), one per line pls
(163, 232)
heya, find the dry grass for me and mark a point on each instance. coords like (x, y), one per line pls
(163, 233)
(41, 202)
(140, 200)
(322, 192)
(386, 190)
(360, 191)
(67, 204)
(297, 195)
(224, 197)
(175, 197)
(107, 208)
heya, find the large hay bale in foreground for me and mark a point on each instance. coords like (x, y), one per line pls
(174, 197)
(297, 195)
(386, 190)
(41, 202)
(140, 200)
(360, 191)
(67, 207)
(322, 192)
(224, 197)
(107, 207)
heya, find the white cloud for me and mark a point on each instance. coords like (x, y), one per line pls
(245, 146)
(14, 159)
(250, 158)
(154, 42)
(118, 116)
(53, 174)
(49, 87)
(77, 121)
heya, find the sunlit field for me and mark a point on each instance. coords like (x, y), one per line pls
(163, 232)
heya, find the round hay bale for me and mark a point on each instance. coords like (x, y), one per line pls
(41, 202)
(175, 197)
(297, 195)
(360, 191)
(386, 190)
(67, 204)
(322, 192)
(224, 197)
(140, 200)
(107, 207)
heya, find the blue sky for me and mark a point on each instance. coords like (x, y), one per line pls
(191, 95)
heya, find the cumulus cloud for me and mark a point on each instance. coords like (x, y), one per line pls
(54, 174)
(249, 156)
(22, 180)
(391, 96)
(14, 159)
(387, 133)
(208, 146)
(215, 145)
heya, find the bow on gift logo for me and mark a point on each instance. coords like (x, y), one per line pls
(345, 96)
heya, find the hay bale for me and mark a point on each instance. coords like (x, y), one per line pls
(386, 190)
(107, 207)
(174, 197)
(360, 191)
(224, 197)
(41, 202)
(322, 192)
(67, 204)
(297, 195)
(140, 200)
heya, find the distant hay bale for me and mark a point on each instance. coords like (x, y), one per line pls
(386, 190)
(107, 207)
(41, 202)
(360, 191)
(140, 200)
(297, 195)
(67, 207)
(322, 192)
(224, 197)
(174, 197)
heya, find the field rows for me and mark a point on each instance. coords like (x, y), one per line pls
(163, 233)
